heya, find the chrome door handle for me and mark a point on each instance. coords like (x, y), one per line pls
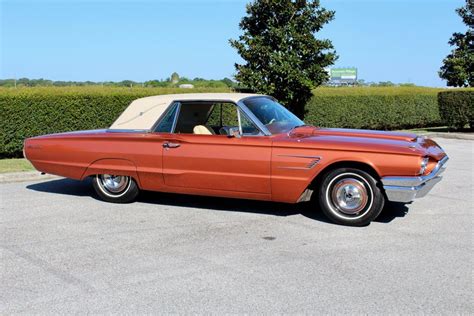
(171, 145)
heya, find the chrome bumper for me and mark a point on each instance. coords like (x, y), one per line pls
(406, 189)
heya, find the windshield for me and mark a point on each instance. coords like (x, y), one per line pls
(273, 115)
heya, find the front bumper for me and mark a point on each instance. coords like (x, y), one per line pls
(406, 189)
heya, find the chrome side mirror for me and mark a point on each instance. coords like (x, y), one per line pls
(234, 132)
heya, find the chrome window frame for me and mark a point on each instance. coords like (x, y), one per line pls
(175, 120)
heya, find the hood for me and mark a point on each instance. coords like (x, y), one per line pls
(361, 141)
(307, 131)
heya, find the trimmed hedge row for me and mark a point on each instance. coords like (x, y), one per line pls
(457, 108)
(385, 112)
(27, 113)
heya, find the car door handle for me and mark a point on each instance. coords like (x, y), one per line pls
(171, 145)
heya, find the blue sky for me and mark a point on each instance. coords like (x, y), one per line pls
(396, 40)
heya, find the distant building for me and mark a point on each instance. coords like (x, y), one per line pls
(186, 86)
(174, 77)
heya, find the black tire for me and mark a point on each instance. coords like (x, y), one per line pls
(126, 191)
(350, 196)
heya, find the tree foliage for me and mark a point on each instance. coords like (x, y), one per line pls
(283, 58)
(458, 66)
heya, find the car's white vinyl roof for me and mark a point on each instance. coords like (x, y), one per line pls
(143, 113)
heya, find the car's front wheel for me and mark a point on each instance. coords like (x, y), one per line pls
(115, 189)
(350, 196)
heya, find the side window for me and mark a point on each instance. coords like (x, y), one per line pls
(248, 128)
(166, 124)
(192, 117)
(223, 114)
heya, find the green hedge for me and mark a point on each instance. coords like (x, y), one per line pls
(374, 108)
(456, 108)
(36, 111)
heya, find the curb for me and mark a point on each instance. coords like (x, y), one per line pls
(449, 135)
(25, 176)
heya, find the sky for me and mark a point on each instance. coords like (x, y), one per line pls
(387, 40)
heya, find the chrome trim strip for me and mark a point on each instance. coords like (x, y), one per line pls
(238, 120)
(176, 115)
(301, 156)
(127, 130)
(315, 160)
(294, 168)
(406, 189)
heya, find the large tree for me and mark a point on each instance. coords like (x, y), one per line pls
(282, 56)
(458, 66)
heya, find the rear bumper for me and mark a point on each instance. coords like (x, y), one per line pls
(406, 189)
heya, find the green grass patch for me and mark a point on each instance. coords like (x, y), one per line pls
(15, 165)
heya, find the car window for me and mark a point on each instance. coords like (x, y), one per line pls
(206, 118)
(166, 124)
(276, 118)
(223, 114)
(248, 127)
(192, 114)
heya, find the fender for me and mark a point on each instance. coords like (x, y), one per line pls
(115, 166)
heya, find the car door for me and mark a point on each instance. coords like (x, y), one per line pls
(215, 162)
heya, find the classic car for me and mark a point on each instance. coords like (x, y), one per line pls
(243, 146)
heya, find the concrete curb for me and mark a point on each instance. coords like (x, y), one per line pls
(449, 135)
(25, 176)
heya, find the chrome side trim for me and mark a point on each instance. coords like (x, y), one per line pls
(406, 189)
(127, 131)
(305, 196)
(314, 161)
(300, 156)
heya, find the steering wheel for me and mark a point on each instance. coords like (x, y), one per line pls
(271, 121)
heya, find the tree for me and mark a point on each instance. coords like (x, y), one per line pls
(458, 66)
(228, 82)
(283, 58)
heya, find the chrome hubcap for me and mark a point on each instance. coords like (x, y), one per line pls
(114, 184)
(349, 195)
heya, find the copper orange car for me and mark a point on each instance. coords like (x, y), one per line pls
(243, 146)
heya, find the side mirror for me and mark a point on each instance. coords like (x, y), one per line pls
(234, 132)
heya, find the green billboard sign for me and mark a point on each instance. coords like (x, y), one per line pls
(343, 74)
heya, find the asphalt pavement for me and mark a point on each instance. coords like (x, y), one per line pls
(64, 251)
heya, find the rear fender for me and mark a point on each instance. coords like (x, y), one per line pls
(115, 166)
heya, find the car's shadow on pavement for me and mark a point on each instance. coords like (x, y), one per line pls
(307, 209)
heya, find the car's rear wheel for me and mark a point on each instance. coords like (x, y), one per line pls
(115, 188)
(350, 196)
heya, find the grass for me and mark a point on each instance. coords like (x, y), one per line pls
(15, 165)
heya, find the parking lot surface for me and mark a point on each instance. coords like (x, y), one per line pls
(64, 251)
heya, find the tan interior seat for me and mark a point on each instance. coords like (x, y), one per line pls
(203, 130)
